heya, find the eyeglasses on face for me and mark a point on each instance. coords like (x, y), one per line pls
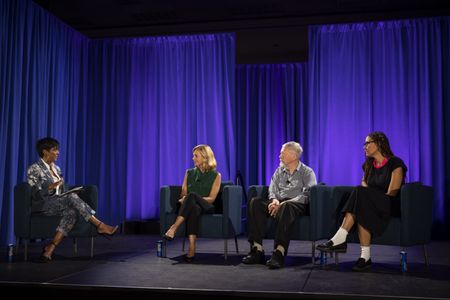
(367, 143)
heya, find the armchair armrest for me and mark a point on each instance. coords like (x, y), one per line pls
(232, 208)
(323, 211)
(257, 191)
(339, 197)
(168, 198)
(416, 213)
(89, 194)
(22, 210)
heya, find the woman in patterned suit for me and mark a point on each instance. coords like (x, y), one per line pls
(46, 183)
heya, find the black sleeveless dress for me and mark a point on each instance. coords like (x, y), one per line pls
(370, 205)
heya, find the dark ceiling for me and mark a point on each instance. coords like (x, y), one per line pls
(267, 31)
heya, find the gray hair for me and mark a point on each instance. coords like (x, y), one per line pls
(295, 147)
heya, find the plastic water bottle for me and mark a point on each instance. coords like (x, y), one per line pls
(159, 246)
(10, 253)
(323, 258)
(403, 261)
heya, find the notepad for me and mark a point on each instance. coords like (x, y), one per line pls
(75, 189)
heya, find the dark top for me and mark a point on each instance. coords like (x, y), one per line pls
(380, 178)
(200, 183)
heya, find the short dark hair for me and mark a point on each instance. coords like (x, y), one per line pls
(46, 143)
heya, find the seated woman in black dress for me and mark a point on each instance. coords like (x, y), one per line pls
(371, 205)
(201, 185)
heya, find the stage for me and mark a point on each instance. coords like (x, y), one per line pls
(127, 266)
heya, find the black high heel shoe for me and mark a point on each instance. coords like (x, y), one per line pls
(107, 235)
(44, 259)
(168, 238)
(188, 259)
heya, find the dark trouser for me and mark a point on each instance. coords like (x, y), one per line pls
(258, 214)
(191, 209)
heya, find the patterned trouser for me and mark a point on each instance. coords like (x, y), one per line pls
(68, 207)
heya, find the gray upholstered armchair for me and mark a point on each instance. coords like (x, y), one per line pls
(225, 223)
(28, 226)
(318, 224)
(412, 228)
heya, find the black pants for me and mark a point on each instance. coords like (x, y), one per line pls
(191, 209)
(258, 214)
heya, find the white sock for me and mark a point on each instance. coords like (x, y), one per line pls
(365, 252)
(339, 237)
(258, 246)
(281, 249)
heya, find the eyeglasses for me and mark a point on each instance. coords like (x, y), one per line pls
(367, 143)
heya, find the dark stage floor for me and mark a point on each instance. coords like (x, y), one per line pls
(128, 266)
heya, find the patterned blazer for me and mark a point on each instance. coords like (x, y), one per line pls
(39, 178)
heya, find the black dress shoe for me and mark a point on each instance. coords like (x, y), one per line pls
(188, 259)
(254, 257)
(276, 261)
(362, 265)
(330, 247)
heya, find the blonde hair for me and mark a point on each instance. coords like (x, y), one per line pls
(206, 152)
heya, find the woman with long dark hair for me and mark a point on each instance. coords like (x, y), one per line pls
(371, 204)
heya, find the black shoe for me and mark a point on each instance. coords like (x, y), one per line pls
(362, 265)
(329, 247)
(168, 238)
(42, 258)
(276, 261)
(188, 259)
(108, 235)
(254, 257)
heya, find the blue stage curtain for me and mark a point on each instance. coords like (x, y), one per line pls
(382, 76)
(179, 92)
(43, 75)
(271, 110)
(127, 112)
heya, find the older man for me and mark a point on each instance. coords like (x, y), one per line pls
(288, 199)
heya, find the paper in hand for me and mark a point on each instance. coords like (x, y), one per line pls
(75, 189)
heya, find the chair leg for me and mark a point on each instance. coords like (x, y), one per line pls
(25, 244)
(313, 252)
(182, 245)
(336, 258)
(225, 244)
(425, 255)
(236, 243)
(17, 246)
(92, 247)
(75, 246)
